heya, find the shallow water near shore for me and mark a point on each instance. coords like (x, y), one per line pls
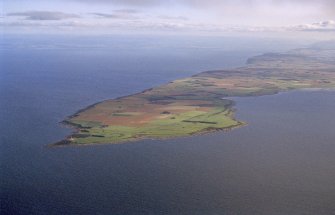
(282, 162)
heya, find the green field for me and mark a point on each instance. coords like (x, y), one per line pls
(196, 105)
(175, 125)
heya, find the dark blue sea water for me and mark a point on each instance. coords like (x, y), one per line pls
(281, 163)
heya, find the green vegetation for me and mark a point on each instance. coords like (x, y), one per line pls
(175, 125)
(195, 105)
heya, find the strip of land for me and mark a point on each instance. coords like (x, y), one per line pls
(197, 104)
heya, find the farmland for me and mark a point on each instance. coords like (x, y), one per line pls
(199, 104)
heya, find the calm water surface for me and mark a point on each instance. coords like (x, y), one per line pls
(282, 163)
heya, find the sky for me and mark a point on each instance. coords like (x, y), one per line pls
(299, 17)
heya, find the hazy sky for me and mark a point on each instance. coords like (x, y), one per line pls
(211, 16)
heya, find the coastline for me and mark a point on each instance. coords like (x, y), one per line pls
(200, 104)
(66, 142)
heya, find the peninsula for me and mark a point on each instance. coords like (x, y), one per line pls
(199, 104)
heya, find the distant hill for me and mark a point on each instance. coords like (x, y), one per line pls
(319, 52)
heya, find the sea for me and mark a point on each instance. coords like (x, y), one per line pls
(281, 163)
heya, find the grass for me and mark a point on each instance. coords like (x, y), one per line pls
(195, 105)
(175, 125)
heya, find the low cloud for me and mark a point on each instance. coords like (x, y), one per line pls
(123, 2)
(44, 15)
(318, 26)
(126, 11)
(107, 15)
(119, 14)
(327, 5)
(180, 18)
(125, 20)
